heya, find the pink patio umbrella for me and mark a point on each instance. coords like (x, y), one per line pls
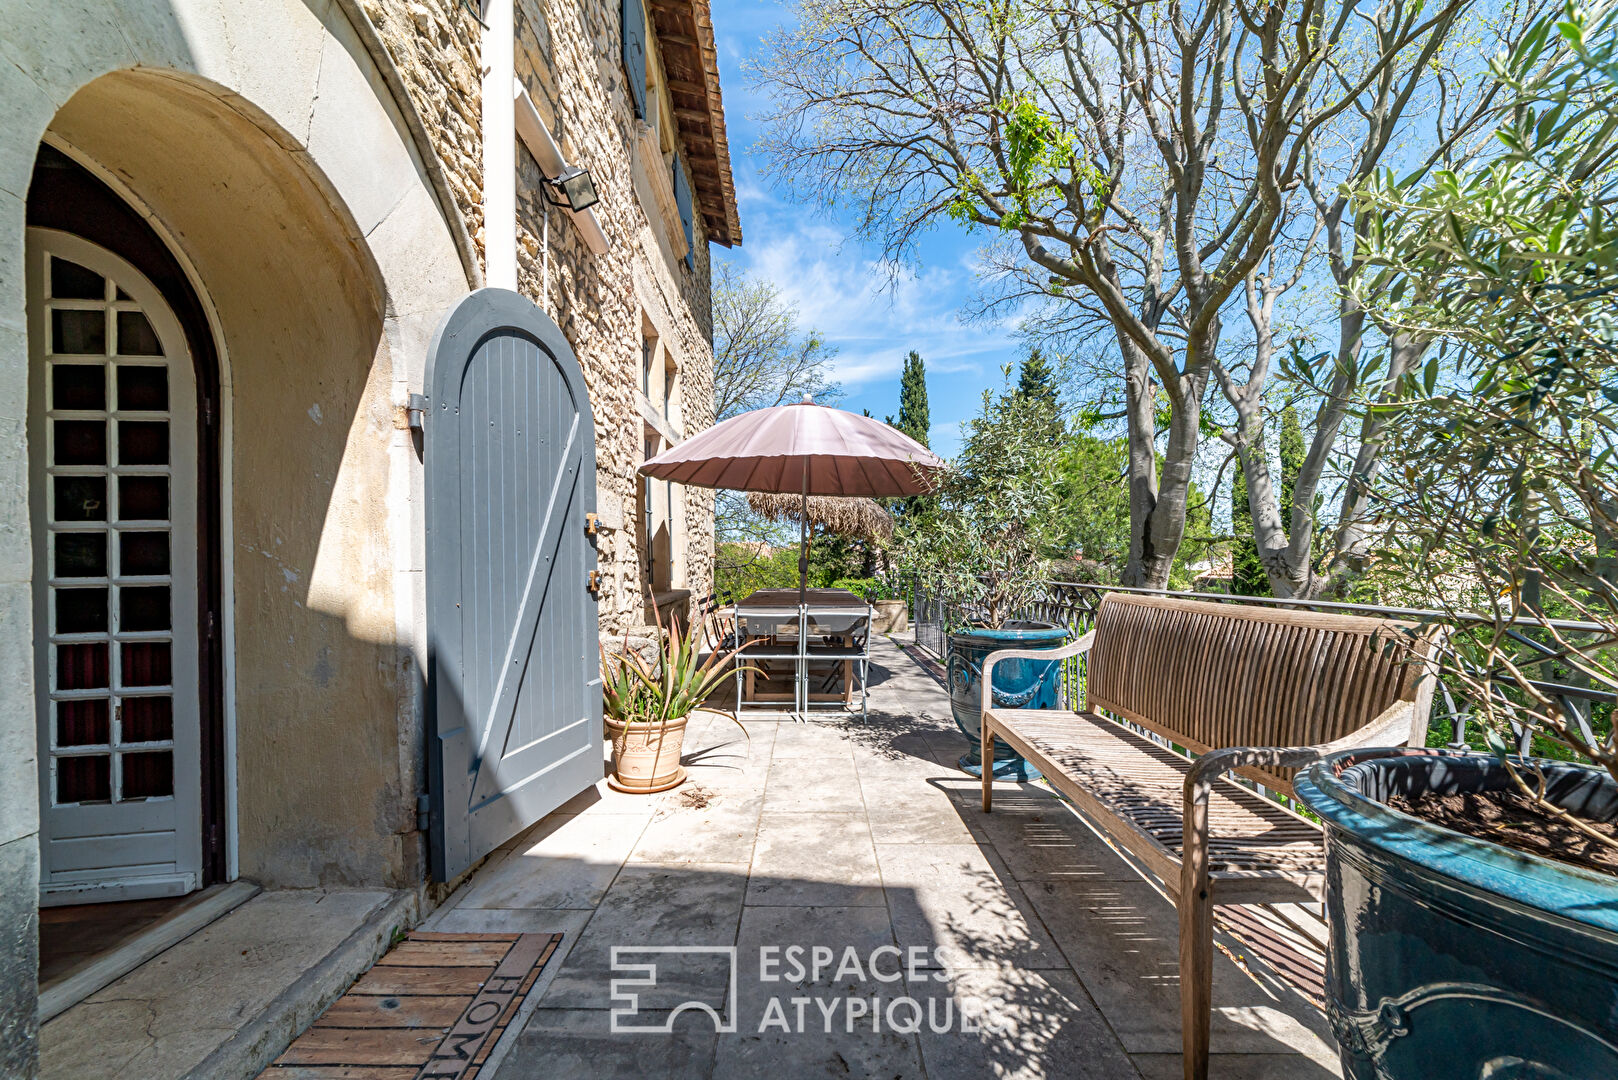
(804, 449)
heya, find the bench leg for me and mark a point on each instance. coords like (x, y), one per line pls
(1196, 942)
(986, 755)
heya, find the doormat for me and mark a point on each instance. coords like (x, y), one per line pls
(431, 1009)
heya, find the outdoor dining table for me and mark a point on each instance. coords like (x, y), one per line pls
(829, 625)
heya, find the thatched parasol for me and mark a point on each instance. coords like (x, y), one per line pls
(856, 516)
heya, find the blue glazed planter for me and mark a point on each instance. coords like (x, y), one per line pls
(1453, 957)
(1018, 684)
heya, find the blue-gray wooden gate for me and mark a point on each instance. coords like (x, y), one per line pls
(514, 690)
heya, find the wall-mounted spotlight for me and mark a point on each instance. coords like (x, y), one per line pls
(578, 191)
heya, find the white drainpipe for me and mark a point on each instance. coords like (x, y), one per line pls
(499, 147)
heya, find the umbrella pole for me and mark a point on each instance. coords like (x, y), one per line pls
(803, 600)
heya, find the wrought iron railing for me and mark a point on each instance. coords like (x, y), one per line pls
(1074, 605)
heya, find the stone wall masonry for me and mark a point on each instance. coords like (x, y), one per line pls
(435, 45)
(567, 58)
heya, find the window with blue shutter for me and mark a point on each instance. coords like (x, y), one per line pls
(682, 199)
(634, 17)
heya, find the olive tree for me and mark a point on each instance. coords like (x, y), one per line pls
(1503, 454)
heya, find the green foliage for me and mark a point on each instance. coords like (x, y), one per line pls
(915, 420)
(1292, 455)
(1036, 385)
(1247, 577)
(673, 686)
(1093, 504)
(1504, 454)
(983, 541)
(1036, 148)
(740, 569)
(872, 589)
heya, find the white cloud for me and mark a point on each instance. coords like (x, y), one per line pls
(873, 314)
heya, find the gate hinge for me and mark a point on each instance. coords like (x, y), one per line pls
(424, 810)
(415, 410)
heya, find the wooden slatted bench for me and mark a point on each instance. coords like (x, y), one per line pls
(1255, 691)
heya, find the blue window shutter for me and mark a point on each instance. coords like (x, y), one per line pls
(682, 199)
(634, 34)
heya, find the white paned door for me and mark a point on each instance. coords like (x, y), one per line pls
(113, 489)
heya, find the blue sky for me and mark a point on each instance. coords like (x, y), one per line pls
(837, 284)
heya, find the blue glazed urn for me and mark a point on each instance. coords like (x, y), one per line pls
(1453, 957)
(1018, 684)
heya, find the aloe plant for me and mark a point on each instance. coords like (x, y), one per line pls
(635, 692)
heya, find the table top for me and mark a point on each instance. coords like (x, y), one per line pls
(770, 600)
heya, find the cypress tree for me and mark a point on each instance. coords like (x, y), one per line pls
(1246, 573)
(1036, 380)
(1292, 454)
(914, 418)
(1036, 385)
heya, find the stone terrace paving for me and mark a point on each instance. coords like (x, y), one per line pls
(860, 835)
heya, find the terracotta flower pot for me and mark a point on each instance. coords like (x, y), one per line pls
(646, 757)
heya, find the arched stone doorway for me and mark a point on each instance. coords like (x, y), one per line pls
(258, 142)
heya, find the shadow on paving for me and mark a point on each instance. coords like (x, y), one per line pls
(896, 933)
(824, 990)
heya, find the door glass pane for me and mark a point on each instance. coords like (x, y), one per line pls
(146, 663)
(78, 386)
(143, 553)
(146, 719)
(143, 498)
(148, 775)
(82, 723)
(78, 333)
(81, 554)
(81, 442)
(70, 281)
(145, 608)
(143, 442)
(82, 611)
(136, 336)
(82, 666)
(81, 498)
(84, 779)
(142, 387)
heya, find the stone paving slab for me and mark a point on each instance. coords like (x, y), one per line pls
(860, 836)
(1123, 938)
(803, 860)
(954, 900)
(570, 864)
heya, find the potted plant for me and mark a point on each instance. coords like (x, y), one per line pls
(647, 702)
(1472, 894)
(981, 543)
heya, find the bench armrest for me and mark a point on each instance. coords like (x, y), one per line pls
(1075, 648)
(1400, 724)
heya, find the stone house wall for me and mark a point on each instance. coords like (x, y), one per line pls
(567, 57)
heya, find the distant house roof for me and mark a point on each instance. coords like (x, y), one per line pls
(690, 62)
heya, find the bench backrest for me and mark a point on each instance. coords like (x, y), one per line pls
(1209, 675)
